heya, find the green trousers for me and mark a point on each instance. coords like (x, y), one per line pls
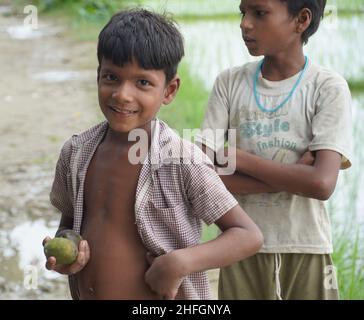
(276, 276)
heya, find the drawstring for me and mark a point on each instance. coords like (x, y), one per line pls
(278, 263)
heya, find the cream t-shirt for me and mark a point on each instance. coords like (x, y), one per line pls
(316, 117)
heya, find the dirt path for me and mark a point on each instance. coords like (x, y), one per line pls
(47, 93)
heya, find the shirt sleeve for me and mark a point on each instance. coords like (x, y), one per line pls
(207, 194)
(216, 120)
(332, 122)
(61, 193)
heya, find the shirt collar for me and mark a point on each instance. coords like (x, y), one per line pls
(166, 146)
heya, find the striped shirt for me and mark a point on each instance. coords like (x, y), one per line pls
(177, 189)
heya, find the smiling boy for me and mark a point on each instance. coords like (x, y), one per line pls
(293, 122)
(141, 221)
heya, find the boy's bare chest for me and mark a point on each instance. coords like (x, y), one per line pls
(110, 184)
(118, 264)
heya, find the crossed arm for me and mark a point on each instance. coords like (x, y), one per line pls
(309, 177)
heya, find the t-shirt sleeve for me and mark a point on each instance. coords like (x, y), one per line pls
(332, 122)
(216, 119)
(207, 194)
(61, 195)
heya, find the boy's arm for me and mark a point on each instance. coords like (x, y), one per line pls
(210, 201)
(240, 238)
(60, 198)
(317, 181)
(331, 137)
(239, 183)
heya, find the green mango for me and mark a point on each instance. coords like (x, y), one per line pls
(71, 235)
(64, 250)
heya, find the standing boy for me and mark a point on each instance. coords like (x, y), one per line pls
(293, 122)
(141, 220)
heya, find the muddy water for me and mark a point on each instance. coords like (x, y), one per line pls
(47, 93)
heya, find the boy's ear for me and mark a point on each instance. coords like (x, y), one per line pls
(98, 73)
(171, 90)
(304, 19)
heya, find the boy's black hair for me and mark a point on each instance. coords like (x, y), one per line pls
(151, 39)
(317, 7)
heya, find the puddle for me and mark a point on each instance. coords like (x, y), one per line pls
(22, 261)
(27, 238)
(5, 10)
(23, 33)
(20, 31)
(56, 76)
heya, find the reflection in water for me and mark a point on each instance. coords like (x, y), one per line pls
(22, 32)
(56, 76)
(23, 257)
(27, 238)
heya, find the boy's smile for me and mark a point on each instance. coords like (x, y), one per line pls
(130, 96)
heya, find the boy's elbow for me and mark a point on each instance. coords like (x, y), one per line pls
(323, 189)
(258, 240)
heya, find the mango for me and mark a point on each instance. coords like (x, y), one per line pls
(71, 235)
(64, 250)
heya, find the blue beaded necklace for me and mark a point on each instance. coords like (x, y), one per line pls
(261, 107)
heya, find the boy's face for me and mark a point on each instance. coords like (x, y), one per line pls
(130, 96)
(267, 27)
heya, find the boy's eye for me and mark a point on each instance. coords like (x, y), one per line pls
(144, 82)
(242, 14)
(109, 77)
(260, 13)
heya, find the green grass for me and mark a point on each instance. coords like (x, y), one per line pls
(349, 261)
(356, 86)
(187, 110)
(352, 6)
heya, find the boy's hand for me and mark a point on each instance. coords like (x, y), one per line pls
(82, 258)
(164, 275)
(308, 159)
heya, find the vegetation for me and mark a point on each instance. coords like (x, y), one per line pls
(87, 17)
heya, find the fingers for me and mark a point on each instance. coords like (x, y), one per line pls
(82, 258)
(87, 250)
(45, 240)
(51, 263)
(170, 296)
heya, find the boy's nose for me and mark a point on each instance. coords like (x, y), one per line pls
(246, 24)
(123, 93)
